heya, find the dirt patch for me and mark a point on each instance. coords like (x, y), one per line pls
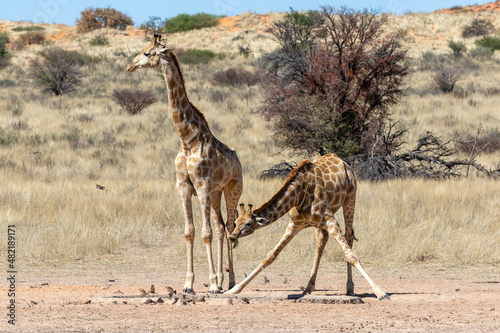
(491, 6)
(244, 22)
(422, 300)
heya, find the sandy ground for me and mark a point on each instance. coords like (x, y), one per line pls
(423, 298)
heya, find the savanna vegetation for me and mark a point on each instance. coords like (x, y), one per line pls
(55, 148)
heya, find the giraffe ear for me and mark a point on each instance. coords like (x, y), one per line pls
(164, 54)
(262, 221)
(156, 38)
(242, 209)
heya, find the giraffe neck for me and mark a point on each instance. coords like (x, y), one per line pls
(187, 120)
(289, 196)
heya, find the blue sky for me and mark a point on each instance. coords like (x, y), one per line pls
(67, 11)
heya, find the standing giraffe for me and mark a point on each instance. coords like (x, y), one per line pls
(204, 166)
(313, 192)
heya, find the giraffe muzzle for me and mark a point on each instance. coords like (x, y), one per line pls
(234, 240)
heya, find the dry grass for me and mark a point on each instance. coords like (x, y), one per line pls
(66, 145)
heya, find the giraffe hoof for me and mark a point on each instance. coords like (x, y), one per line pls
(232, 291)
(188, 291)
(216, 291)
(380, 293)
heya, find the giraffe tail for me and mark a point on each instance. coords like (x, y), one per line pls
(346, 171)
(353, 237)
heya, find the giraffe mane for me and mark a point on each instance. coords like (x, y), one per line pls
(195, 109)
(305, 165)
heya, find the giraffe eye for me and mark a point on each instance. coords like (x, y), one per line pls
(147, 54)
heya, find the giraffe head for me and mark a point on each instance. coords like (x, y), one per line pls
(246, 223)
(151, 56)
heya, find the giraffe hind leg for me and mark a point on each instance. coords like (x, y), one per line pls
(351, 257)
(321, 239)
(348, 212)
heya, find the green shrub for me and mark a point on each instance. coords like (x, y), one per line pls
(195, 56)
(458, 48)
(186, 22)
(32, 28)
(99, 41)
(4, 54)
(490, 42)
(4, 39)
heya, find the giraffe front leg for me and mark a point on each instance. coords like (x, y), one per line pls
(291, 231)
(321, 239)
(220, 232)
(351, 257)
(232, 193)
(204, 195)
(189, 233)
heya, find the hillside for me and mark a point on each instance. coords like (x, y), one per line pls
(487, 7)
(88, 194)
(55, 149)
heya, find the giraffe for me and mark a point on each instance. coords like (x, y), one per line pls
(205, 167)
(312, 194)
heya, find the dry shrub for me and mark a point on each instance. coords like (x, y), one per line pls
(4, 63)
(446, 79)
(478, 27)
(134, 101)
(32, 37)
(97, 18)
(56, 71)
(236, 76)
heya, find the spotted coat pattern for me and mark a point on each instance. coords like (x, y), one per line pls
(205, 166)
(311, 195)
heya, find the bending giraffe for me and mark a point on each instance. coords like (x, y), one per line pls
(312, 194)
(204, 166)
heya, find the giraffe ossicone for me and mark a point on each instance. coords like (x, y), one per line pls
(204, 166)
(312, 194)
